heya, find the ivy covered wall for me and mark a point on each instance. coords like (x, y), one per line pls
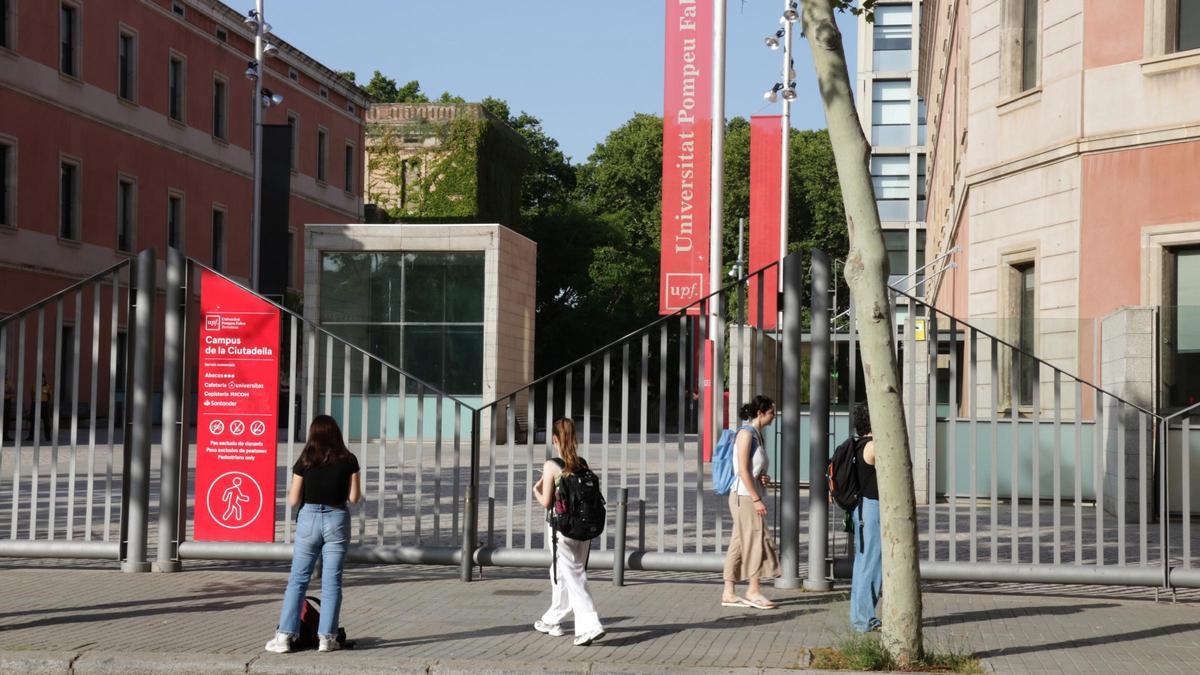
(444, 163)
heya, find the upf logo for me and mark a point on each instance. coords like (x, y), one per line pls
(212, 322)
(683, 289)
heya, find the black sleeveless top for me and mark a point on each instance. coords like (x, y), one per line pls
(866, 472)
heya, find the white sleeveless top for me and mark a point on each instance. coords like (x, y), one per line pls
(758, 462)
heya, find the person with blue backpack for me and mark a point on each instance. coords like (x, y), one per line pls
(575, 514)
(751, 555)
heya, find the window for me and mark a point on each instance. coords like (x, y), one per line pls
(921, 185)
(293, 75)
(1029, 44)
(222, 35)
(8, 179)
(126, 66)
(218, 240)
(175, 88)
(422, 311)
(892, 33)
(219, 108)
(351, 108)
(349, 169)
(68, 205)
(921, 121)
(1026, 331)
(896, 244)
(175, 222)
(919, 277)
(293, 128)
(178, 8)
(1188, 34)
(119, 362)
(890, 111)
(1181, 362)
(6, 23)
(324, 93)
(320, 155)
(68, 39)
(889, 175)
(126, 215)
(291, 256)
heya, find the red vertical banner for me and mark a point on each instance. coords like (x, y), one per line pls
(687, 153)
(237, 411)
(766, 137)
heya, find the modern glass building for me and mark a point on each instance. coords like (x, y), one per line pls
(451, 305)
(893, 117)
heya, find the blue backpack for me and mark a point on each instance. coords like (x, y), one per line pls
(723, 477)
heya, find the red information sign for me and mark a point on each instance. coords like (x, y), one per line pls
(687, 149)
(766, 138)
(237, 413)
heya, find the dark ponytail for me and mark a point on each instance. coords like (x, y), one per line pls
(760, 404)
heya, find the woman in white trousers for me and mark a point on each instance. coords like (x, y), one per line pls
(569, 580)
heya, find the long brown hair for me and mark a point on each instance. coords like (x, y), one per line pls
(564, 433)
(325, 445)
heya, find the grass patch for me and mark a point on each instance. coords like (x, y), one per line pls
(866, 652)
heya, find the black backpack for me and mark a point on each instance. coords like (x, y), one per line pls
(310, 620)
(578, 509)
(845, 490)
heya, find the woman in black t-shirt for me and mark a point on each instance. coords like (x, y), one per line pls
(324, 479)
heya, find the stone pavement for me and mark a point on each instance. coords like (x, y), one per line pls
(216, 618)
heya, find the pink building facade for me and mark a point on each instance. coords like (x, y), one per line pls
(1064, 163)
(127, 125)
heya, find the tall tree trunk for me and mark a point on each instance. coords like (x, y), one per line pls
(866, 275)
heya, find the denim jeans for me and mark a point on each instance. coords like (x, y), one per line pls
(867, 583)
(325, 531)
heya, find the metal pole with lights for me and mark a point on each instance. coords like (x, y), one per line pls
(785, 89)
(265, 98)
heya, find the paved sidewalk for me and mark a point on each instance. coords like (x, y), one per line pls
(216, 618)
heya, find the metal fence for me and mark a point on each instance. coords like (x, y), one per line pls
(413, 443)
(638, 405)
(1026, 472)
(64, 469)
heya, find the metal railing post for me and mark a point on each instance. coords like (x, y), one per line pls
(619, 544)
(172, 418)
(470, 535)
(789, 509)
(818, 388)
(138, 461)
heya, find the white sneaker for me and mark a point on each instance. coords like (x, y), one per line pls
(553, 629)
(328, 644)
(280, 644)
(589, 638)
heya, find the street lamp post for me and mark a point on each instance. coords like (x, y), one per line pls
(260, 28)
(264, 98)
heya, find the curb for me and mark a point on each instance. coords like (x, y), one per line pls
(139, 663)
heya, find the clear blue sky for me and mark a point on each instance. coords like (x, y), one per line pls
(582, 67)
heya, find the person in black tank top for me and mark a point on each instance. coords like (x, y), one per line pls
(867, 479)
(867, 582)
(324, 481)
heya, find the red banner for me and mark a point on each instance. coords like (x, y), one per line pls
(687, 150)
(237, 413)
(766, 138)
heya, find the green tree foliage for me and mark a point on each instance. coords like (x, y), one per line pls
(385, 90)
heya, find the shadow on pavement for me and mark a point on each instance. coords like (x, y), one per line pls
(1097, 641)
(1011, 613)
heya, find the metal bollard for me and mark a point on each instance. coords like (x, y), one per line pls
(641, 525)
(619, 543)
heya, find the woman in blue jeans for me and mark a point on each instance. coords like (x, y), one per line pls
(866, 584)
(324, 479)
